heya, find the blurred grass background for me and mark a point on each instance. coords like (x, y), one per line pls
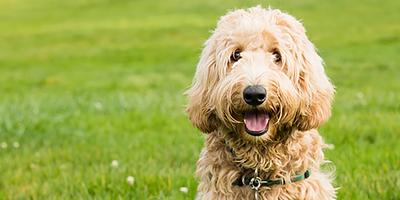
(85, 82)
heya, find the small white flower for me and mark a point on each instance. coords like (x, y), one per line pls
(4, 145)
(114, 163)
(184, 189)
(98, 105)
(130, 180)
(16, 145)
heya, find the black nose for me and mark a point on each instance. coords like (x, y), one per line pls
(254, 95)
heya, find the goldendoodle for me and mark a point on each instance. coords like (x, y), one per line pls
(259, 93)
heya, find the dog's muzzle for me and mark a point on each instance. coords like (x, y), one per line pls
(255, 121)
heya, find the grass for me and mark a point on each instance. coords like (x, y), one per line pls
(86, 82)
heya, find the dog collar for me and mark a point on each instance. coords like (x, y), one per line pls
(255, 182)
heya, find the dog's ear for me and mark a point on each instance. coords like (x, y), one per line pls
(317, 108)
(307, 72)
(199, 109)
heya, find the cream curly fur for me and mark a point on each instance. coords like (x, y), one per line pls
(299, 96)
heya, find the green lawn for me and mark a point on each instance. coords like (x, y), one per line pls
(85, 82)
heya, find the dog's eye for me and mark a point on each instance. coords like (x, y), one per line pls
(276, 56)
(236, 55)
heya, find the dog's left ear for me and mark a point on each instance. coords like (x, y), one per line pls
(307, 71)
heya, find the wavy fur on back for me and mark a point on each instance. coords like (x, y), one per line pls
(299, 96)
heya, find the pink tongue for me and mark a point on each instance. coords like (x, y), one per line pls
(256, 121)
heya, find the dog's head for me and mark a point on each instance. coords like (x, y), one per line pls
(259, 73)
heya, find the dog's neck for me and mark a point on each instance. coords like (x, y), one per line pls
(300, 151)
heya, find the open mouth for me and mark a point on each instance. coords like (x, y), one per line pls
(256, 122)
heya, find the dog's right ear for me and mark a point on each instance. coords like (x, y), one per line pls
(199, 108)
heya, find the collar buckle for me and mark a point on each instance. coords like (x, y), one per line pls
(255, 183)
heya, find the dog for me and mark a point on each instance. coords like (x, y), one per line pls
(259, 94)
